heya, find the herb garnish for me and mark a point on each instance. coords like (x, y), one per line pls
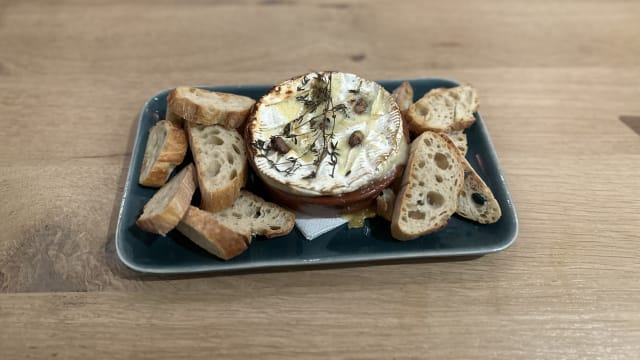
(315, 127)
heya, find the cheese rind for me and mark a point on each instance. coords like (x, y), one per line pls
(315, 115)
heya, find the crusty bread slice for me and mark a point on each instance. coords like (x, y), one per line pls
(431, 183)
(168, 205)
(252, 215)
(403, 95)
(444, 110)
(170, 115)
(227, 233)
(384, 204)
(209, 107)
(221, 161)
(476, 201)
(459, 139)
(203, 228)
(166, 148)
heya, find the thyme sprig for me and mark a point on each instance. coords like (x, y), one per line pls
(320, 116)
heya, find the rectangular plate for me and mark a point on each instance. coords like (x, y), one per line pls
(174, 253)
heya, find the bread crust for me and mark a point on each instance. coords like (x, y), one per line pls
(288, 215)
(172, 153)
(224, 197)
(385, 203)
(202, 228)
(459, 138)
(165, 220)
(214, 233)
(403, 95)
(487, 213)
(181, 104)
(171, 116)
(418, 124)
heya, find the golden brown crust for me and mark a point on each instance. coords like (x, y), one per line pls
(487, 213)
(170, 115)
(224, 197)
(461, 125)
(171, 154)
(202, 228)
(161, 221)
(188, 110)
(158, 175)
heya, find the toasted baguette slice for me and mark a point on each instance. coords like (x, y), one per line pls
(459, 139)
(443, 110)
(476, 201)
(431, 184)
(221, 161)
(384, 204)
(403, 95)
(171, 116)
(252, 215)
(168, 205)
(166, 148)
(209, 107)
(227, 233)
(203, 228)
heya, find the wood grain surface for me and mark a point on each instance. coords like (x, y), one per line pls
(560, 93)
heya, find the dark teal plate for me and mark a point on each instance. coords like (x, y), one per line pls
(174, 253)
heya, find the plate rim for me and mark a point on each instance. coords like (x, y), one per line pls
(278, 264)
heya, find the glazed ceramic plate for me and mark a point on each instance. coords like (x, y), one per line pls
(174, 253)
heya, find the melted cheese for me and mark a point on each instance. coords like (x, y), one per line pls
(355, 220)
(308, 168)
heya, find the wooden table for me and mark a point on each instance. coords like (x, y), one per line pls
(560, 92)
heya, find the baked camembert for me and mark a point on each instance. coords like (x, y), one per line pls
(326, 134)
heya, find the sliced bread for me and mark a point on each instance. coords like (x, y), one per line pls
(170, 115)
(252, 215)
(221, 161)
(227, 233)
(168, 205)
(209, 107)
(443, 110)
(459, 139)
(166, 148)
(476, 201)
(431, 183)
(202, 228)
(384, 204)
(403, 95)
